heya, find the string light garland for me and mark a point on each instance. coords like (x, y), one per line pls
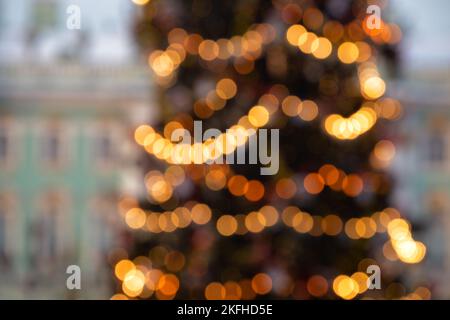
(243, 49)
(140, 279)
(348, 42)
(371, 84)
(388, 220)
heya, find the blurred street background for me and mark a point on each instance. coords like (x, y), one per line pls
(73, 164)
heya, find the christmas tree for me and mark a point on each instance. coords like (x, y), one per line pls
(319, 223)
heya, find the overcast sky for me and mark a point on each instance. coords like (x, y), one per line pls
(426, 26)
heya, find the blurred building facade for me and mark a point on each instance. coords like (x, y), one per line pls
(69, 100)
(422, 162)
(422, 171)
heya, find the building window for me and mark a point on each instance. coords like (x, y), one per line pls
(436, 148)
(53, 147)
(104, 148)
(48, 227)
(8, 132)
(44, 234)
(104, 218)
(4, 145)
(6, 227)
(3, 238)
(103, 232)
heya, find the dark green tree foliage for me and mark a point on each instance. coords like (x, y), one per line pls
(286, 255)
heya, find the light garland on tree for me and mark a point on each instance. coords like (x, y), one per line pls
(140, 281)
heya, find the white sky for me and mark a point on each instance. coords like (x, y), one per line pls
(426, 27)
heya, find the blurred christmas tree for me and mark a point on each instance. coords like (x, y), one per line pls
(216, 231)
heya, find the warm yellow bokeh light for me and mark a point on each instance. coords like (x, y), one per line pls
(215, 291)
(262, 283)
(122, 268)
(270, 215)
(238, 185)
(332, 225)
(345, 287)
(140, 2)
(255, 190)
(373, 88)
(352, 127)
(141, 133)
(313, 183)
(208, 50)
(168, 284)
(317, 286)
(321, 48)
(258, 116)
(226, 225)
(361, 279)
(302, 222)
(293, 33)
(291, 106)
(201, 213)
(348, 52)
(133, 283)
(306, 41)
(226, 88)
(255, 222)
(215, 180)
(308, 110)
(135, 218)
